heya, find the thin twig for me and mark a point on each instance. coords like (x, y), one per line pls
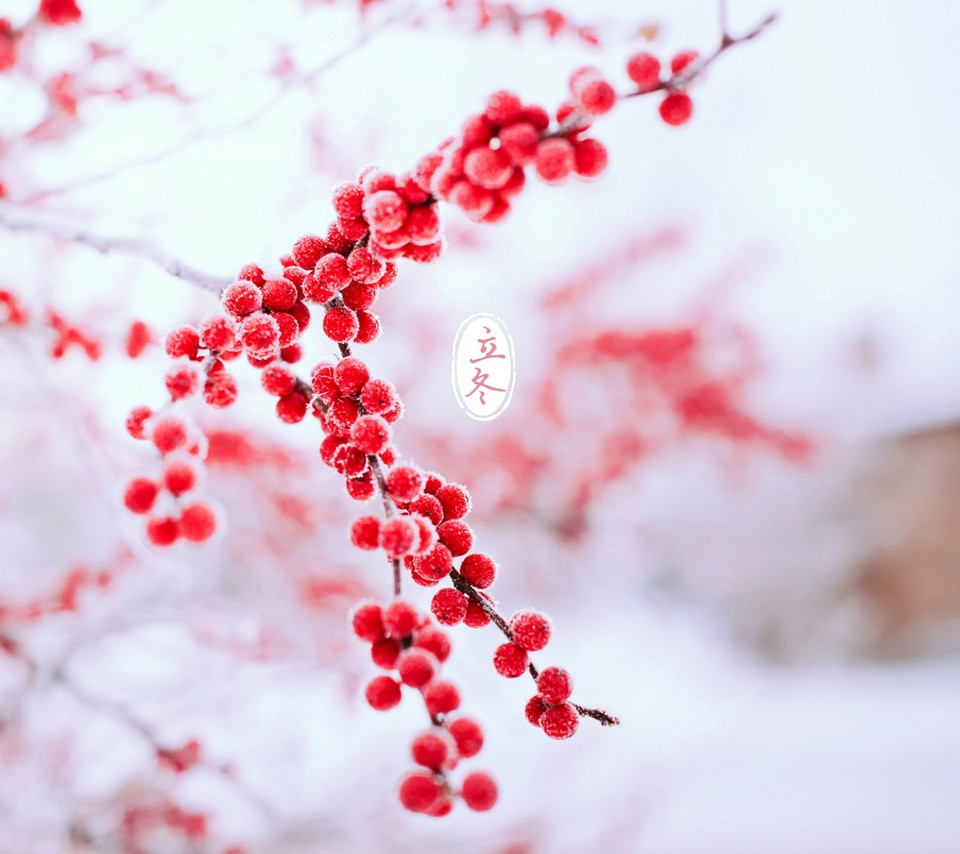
(13, 220)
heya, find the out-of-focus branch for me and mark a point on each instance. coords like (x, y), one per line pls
(14, 221)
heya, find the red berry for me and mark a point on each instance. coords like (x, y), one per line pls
(534, 710)
(359, 297)
(430, 750)
(510, 660)
(367, 621)
(676, 108)
(682, 60)
(468, 736)
(555, 159)
(365, 533)
(136, 421)
(404, 483)
(348, 201)
(554, 685)
(422, 226)
(164, 531)
(197, 523)
(316, 289)
(454, 499)
(560, 721)
(478, 569)
(350, 462)
(456, 536)
(590, 158)
(280, 294)
(416, 667)
(531, 630)
(519, 142)
(370, 433)
(181, 381)
(368, 327)
(503, 108)
(361, 488)
(340, 324)
(307, 251)
(400, 618)
(364, 266)
(449, 606)
(434, 640)
(644, 70)
(435, 564)
(260, 336)
(428, 506)
(241, 298)
(385, 652)
(179, 478)
(332, 272)
(476, 617)
(278, 380)
(183, 341)
(217, 333)
(324, 384)
(385, 210)
(220, 390)
(251, 273)
(441, 698)
(289, 328)
(140, 495)
(169, 434)
(292, 408)
(382, 693)
(487, 167)
(479, 791)
(597, 97)
(419, 791)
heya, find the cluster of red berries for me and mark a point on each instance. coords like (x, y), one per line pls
(405, 642)
(644, 70)
(173, 513)
(482, 169)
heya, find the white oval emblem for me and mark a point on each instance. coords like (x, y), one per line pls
(484, 372)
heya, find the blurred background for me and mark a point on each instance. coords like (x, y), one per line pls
(730, 470)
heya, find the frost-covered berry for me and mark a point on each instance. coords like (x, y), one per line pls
(554, 685)
(367, 621)
(260, 336)
(308, 250)
(348, 200)
(169, 434)
(217, 333)
(441, 698)
(676, 108)
(277, 380)
(478, 569)
(555, 159)
(220, 390)
(435, 564)
(140, 495)
(428, 534)
(280, 294)
(370, 433)
(398, 537)
(404, 483)
(534, 710)
(251, 273)
(502, 108)
(340, 324)
(531, 630)
(427, 506)
(179, 477)
(456, 536)
(400, 618)
(560, 721)
(136, 421)
(468, 736)
(197, 523)
(322, 379)
(332, 272)
(416, 667)
(291, 408)
(361, 488)
(510, 660)
(487, 167)
(454, 499)
(364, 266)
(182, 342)
(644, 70)
(164, 531)
(385, 210)
(378, 396)
(449, 606)
(476, 617)
(594, 94)
(365, 533)
(479, 791)
(181, 381)
(434, 640)
(430, 750)
(382, 693)
(350, 375)
(368, 327)
(351, 462)
(419, 791)
(241, 298)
